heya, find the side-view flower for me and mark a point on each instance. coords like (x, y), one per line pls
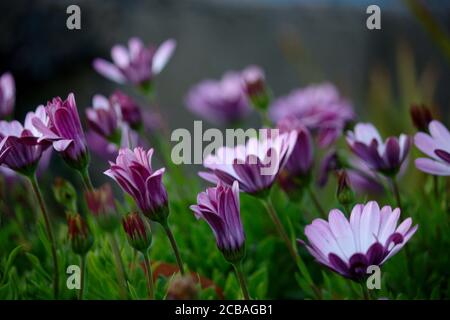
(436, 145)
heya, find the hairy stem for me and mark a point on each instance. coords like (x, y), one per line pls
(396, 192)
(293, 252)
(119, 268)
(365, 291)
(174, 245)
(280, 229)
(86, 179)
(149, 276)
(48, 226)
(316, 202)
(241, 278)
(82, 277)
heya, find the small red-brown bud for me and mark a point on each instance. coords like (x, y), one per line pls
(421, 117)
(80, 236)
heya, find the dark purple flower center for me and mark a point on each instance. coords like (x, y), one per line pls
(444, 155)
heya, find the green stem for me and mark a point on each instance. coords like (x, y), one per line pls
(48, 226)
(173, 243)
(365, 291)
(86, 179)
(316, 202)
(265, 118)
(396, 192)
(82, 277)
(293, 252)
(119, 268)
(149, 276)
(241, 278)
(279, 226)
(436, 187)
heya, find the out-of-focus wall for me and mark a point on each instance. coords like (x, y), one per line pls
(296, 42)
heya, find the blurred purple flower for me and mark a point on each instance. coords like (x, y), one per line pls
(219, 101)
(136, 64)
(130, 110)
(254, 80)
(320, 108)
(362, 179)
(330, 163)
(107, 150)
(7, 95)
(385, 157)
(296, 173)
(20, 149)
(133, 172)
(133, 114)
(104, 118)
(64, 130)
(219, 207)
(301, 159)
(255, 165)
(436, 145)
(349, 247)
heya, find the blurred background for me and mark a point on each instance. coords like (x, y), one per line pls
(297, 42)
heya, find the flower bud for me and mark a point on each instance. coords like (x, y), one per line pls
(101, 204)
(80, 236)
(421, 117)
(254, 84)
(138, 232)
(345, 194)
(65, 194)
(182, 288)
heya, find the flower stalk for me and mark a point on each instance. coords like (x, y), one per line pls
(82, 277)
(241, 278)
(120, 270)
(149, 276)
(37, 191)
(174, 245)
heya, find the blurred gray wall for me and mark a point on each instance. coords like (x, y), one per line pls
(296, 42)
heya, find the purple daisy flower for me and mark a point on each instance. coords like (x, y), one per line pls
(385, 157)
(219, 207)
(20, 149)
(320, 108)
(104, 118)
(436, 145)
(136, 64)
(134, 173)
(219, 101)
(255, 165)
(64, 130)
(349, 247)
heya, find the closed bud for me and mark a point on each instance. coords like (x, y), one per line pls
(345, 194)
(421, 117)
(65, 194)
(80, 236)
(138, 232)
(101, 204)
(182, 288)
(254, 84)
